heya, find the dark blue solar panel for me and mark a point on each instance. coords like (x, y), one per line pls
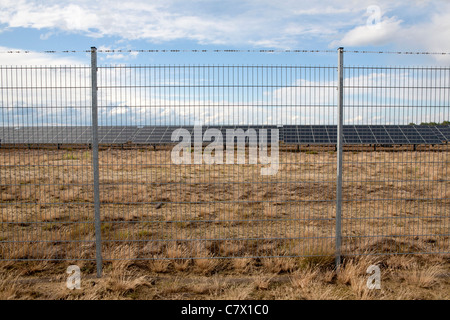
(396, 135)
(305, 134)
(412, 135)
(351, 136)
(332, 133)
(381, 135)
(365, 134)
(429, 135)
(320, 134)
(437, 132)
(444, 131)
(290, 134)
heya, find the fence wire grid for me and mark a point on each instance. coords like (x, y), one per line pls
(394, 196)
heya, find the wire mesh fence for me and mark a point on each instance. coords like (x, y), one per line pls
(253, 174)
(196, 210)
(46, 176)
(396, 196)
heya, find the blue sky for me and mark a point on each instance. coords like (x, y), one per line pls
(407, 25)
(401, 25)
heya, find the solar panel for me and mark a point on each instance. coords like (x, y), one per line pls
(241, 133)
(102, 133)
(268, 130)
(56, 135)
(85, 136)
(111, 135)
(320, 134)
(397, 135)
(157, 135)
(444, 131)
(25, 134)
(290, 134)
(71, 134)
(126, 135)
(381, 135)
(429, 135)
(412, 135)
(365, 134)
(16, 135)
(46, 134)
(143, 134)
(22, 135)
(305, 134)
(5, 134)
(350, 135)
(332, 133)
(437, 132)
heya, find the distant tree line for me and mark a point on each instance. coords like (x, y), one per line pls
(443, 123)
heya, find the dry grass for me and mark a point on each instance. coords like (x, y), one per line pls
(160, 212)
(304, 278)
(278, 264)
(205, 265)
(159, 264)
(9, 286)
(426, 278)
(243, 265)
(262, 282)
(137, 185)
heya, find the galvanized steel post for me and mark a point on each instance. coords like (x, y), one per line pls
(340, 123)
(98, 237)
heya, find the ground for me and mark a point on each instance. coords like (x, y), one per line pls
(225, 231)
(402, 277)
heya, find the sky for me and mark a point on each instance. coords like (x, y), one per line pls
(405, 25)
(375, 25)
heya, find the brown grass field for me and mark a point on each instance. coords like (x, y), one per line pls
(224, 231)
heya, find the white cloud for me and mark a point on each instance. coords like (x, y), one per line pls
(431, 35)
(426, 30)
(225, 22)
(323, 10)
(380, 34)
(406, 24)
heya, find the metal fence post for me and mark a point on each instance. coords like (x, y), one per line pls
(98, 237)
(339, 154)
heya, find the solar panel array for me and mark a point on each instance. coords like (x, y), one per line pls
(365, 134)
(289, 134)
(442, 132)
